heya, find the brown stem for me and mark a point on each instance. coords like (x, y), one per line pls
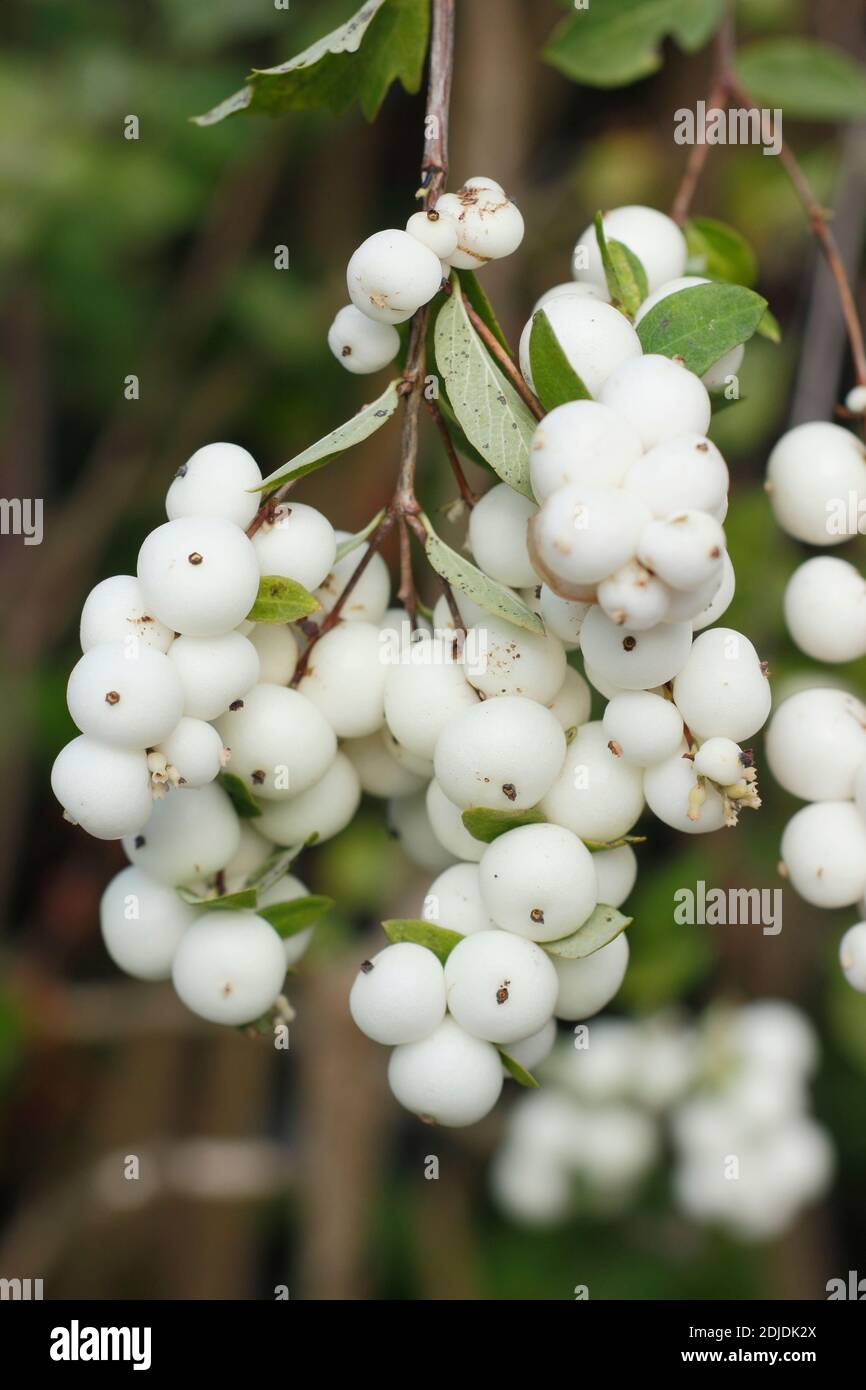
(723, 60)
(434, 162)
(466, 493)
(407, 593)
(503, 358)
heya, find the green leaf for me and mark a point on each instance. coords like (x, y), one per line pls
(626, 277)
(275, 866)
(439, 940)
(491, 413)
(474, 291)
(383, 42)
(352, 542)
(516, 1071)
(492, 595)
(243, 901)
(241, 797)
(702, 323)
(368, 419)
(553, 377)
(281, 600)
(289, 918)
(769, 327)
(804, 78)
(597, 846)
(598, 930)
(719, 251)
(611, 43)
(487, 824)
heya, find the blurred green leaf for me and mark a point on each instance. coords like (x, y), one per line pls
(517, 1072)
(439, 940)
(719, 251)
(492, 595)
(281, 600)
(241, 797)
(242, 901)
(611, 43)
(553, 378)
(803, 78)
(702, 323)
(353, 542)
(289, 918)
(769, 327)
(600, 928)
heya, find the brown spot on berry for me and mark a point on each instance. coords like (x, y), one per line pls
(432, 215)
(258, 776)
(703, 447)
(195, 558)
(367, 966)
(182, 471)
(139, 842)
(346, 351)
(629, 644)
(615, 748)
(112, 698)
(236, 705)
(510, 791)
(502, 992)
(536, 915)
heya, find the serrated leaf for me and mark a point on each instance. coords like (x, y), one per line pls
(440, 940)
(476, 294)
(804, 78)
(719, 251)
(626, 277)
(241, 797)
(516, 1071)
(289, 918)
(368, 419)
(769, 327)
(491, 413)
(554, 379)
(491, 595)
(383, 42)
(352, 542)
(702, 323)
(610, 43)
(243, 901)
(281, 600)
(598, 930)
(487, 824)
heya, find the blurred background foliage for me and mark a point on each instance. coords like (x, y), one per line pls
(155, 257)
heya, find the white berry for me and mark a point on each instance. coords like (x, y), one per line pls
(194, 751)
(399, 995)
(722, 687)
(216, 481)
(130, 697)
(645, 727)
(597, 795)
(229, 967)
(191, 833)
(538, 881)
(634, 660)
(280, 743)
(595, 338)
(654, 238)
(369, 597)
(454, 900)
(322, 810)
(391, 275)
(215, 672)
(199, 575)
(815, 742)
(585, 985)
(105, 790)
(814, 473)
(142, 923)
(360, 343)
(825, 609)
(499, 987)
(115, 611)
(581, 442)
(824, 852)
(450, 1077)
(497, 536)
(852, 956)
(299, 543)
(659, 398)
(503, 753)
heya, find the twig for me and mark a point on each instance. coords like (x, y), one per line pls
(723, 49)
(492, 342)
(468, 496)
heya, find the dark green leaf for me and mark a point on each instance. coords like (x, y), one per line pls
(626, 277)
(281, 600)
(598, 930)
(243, 901)
(492, 595)
(242, 798)
(289, 918)
(803, 78)
(439, 940)
(610, 43)
(553, 378)
(719, 251)
(383, 42)
(486, 824)
(368, 419)
(516, 1071)
(475, 293)
(702, 323)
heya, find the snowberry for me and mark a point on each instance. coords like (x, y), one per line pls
(415, 763)
(278, 652)
(813, 473)
(689, 605)
(685, 473)
(584, 533)
(616, 874)
(369, 598)
(142, 922)
(721, 760)
(362, 344)
(581, 442)
(504, 753)
(423, 695)
(105, 790)
(489, 225)
(855, 401)
(192, 832)
(409, 823)
(776, 1037)
(645, 728)
(659, 398)
(299, 543)
(538, 881)
(287, 889)
(815, 743)
(399, 995)
(216, 481)
(199, 574)
(716, 377)
(193, 751)
(719, 603)
(115, 611)
(512, 661)
(685, 550)
(215, 672)
(572, 703)
(633, 597)
(438, 231)
(587, 984)
(595, 338)
(655, 239)
(579, 287)
(454, 900)
(446, 821)
(674, 794)
(852, 956)
(130, 697)
(597, 795)
(280, 743)
(450, 1077)
(378, 771)
(251, 855)
(497, 535)
(322, 810)
(229, 967)
(391, 275)
(532, 1051)
(345, 679)
(722, 688)
(825, 609)
(824, 852)
(634, 660)
(499, 987)
(562, 616)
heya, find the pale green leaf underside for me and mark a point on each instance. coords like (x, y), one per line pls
(353, 542)
(598, 930)
(455, 569)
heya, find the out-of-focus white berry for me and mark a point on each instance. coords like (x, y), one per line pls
(360, 343)
(852, 955)
(824, 851)
(345, 679)
(410, 825)
(489, 225)
(825, 609)
(674, 794)
(103, 789)
(721, 600)
(199, 575)
(446, 821)
(252, 853)
(215, 672)
(194, 750)
(399, 995)
(587, 984)
(596, 795)
(616, 874)
(684, 473)
(659, 398)
(722, 688)
(583, 443)
(562, 616)
(229, 967)
(634, 660)
(814, 473)
(532, 1051)
(497, 536)
(278, 652)
(378, 772)
(130, 697)
(438, 231)
(322, 810)
(287, 889)
(716, 376)
(299, 543)
(595, 338)
(633, 597)
(503, 753)
(391, 275)
(538, 881)
(280, 742)
(583, 533)
(115, 611)
(815, 743)
(369, 598)
(645, 727)
(142, 922)
(653, 237)
(454, 900)
(685, 550)
(572, 704)
(192, 832)
(215, 481)
(449, 1077)
(499, 987)
(855, 401)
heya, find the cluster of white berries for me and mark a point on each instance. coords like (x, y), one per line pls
(731, 1093)
(394, 272)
